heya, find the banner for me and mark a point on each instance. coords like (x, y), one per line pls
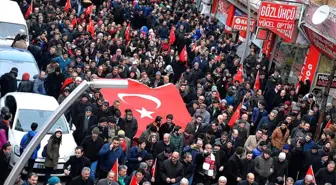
(322, 80)
(240, 23)
(277, 16)
(310, 64)
(321, 43)
(225, 12)
(287, 35)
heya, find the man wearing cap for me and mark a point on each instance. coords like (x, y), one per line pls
(104, 111)
(280, 167)
(129, 124)
(80, 106)
(8, 82)
(264, 167)
(112, 128)
(91, 146)
(83, 122)
(157, 80)
(102, 125)
(54, 181)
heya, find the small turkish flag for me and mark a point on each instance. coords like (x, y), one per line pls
(88, 10)
(328, 124)
(128, 32)
(311, 172)
(172, 37)
(184, 56)
(67, 6)
(235, 116)
(134, 180)
(154, 169)
(257, 82)
(74, 22)
(29, 10)
(90, 27)
(147, 103)
(115, 170)
(218, 58)
(239, 75)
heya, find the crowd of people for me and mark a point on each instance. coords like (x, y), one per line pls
(273, 141)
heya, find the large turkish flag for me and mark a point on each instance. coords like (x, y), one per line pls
(147, 103)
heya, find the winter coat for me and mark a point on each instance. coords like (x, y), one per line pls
(263, 166)
(4, 166)
(280, 169)
(130, 127)
(3, 137)
(105, 182)
(323, 176)
(247, 166)
(26, 86)
(39, 86)
(278, 139)
(52, 152)
(63, 64)
(76, 165)
(79, 133)
(256, 152)
(170, 170)
(251, 142)
(108, 157)
(54, 83)
(255, 115)
(79, 181)
(132, 158)
(8, 83)
(166, 128)
(177, 142)
(233, 170)
(24, 139)
(91, 148)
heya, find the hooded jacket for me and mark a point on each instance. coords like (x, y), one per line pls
(24, 139)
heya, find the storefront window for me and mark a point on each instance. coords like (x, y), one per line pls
(324, 64)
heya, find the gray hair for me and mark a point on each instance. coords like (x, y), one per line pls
(146, 183)
(143, 165)
(222, 178)
(184, 181)
(86, 169)
(187, 154)
(122, 167)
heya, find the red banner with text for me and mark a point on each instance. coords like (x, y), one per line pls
(310, 64)
(268, 44)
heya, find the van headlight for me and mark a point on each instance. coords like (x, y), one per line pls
(17, 150)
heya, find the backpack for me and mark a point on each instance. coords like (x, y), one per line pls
(44, 152)
(25, 144)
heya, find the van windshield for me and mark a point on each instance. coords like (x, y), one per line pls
(26, 117)
(10, 30)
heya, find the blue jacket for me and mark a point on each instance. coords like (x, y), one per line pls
(256, 152)
(132, 158)
(63, 64)
(300, 182)
(108, 157)
(25, 138)
(255, 114)
(308, 146)
(39, 86)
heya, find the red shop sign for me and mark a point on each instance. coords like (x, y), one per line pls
(240, 23)
(310, 63)
(276, 16)
(321, 43)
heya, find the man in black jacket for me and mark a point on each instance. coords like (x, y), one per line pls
(247, 165)
(5, 155)
(249, 180)
(161, 157)
(83, 178)
(326, 175)
(171, 170)
(233, 167)
(83, 123)
(8, 82)
(187, 166)
(76, 163)
(91, 147)
(129, 124)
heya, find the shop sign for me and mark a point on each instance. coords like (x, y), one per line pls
(240, 23)
(310, 63)
(287, 35)
(277, 16)
(323, 44)
(322, 80)
(268, 44)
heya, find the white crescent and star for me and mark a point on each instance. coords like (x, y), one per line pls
(143, 112)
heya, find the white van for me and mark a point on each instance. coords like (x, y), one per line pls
(27, 108)
(12, 22)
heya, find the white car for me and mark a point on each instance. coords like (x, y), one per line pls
(27, 108)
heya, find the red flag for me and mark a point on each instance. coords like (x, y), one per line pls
(133, 180)
(90, 27)
(183, 54)
(135, 2)
(29, 10)
(88, 10)
(194, 47)
(147, 103)
(66, 82)
(235, 116)
(67, 6)
(218, 58)
(115, 170)
(154, 169)
(239, 75)
(311, 172)
(128, 32)
(172, 37)
(257, 82)
(74, 22)
(328, 124)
